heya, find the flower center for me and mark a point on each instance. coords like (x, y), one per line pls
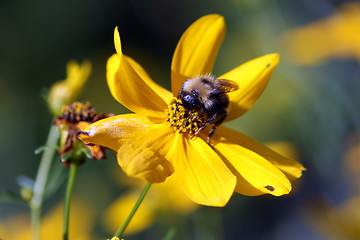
(77, 112)
(184, 120)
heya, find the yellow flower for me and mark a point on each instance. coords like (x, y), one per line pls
(334, 36)
(82, 219)
(66, 91)
(148, 147)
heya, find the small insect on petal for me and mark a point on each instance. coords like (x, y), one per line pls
(270, 188)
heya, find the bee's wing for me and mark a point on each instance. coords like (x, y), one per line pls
(227, 85)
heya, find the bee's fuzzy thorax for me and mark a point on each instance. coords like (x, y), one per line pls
(197, 84)
(206, 96)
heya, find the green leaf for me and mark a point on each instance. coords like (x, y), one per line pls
(86, 152)
(43, 147)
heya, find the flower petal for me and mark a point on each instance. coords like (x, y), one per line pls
(196, 51)
(292, 169)
(132, 86)
(111, 132)
(111, 68)
(251, 166)
(252, 78)
(206, 179)
(144, 156)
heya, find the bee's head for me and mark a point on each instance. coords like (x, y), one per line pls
(190, 99)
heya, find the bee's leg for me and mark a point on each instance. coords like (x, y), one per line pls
(212, 131)
(200, 128)
(217, 123)
(215, 119)
(190, 112)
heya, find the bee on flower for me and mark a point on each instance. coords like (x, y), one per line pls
(178, 134)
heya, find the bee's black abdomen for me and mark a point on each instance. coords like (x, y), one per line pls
(219, 102)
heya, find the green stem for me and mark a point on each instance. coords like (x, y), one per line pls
(133, 211)
(68, 194)
(41, 180)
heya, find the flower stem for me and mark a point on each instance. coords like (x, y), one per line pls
(41, 180)
(68, 194)
(133, 211)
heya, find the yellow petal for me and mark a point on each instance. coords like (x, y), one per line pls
(144, 156)
(116, 214)
(206, 179)
(111, 68)
(77, 74)
(132, 86)
(113, 131)
(253, 168)
(252, 78)
(292, 169)
(196, 51)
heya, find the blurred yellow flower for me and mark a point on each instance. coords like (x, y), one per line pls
(66, 91)
(341, 221)
(163, 197)
(351, 160)
(148, 147)
(82, 219)
(337, 36)
(118, 211)
(338, 222)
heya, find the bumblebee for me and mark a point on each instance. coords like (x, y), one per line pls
(206, 95)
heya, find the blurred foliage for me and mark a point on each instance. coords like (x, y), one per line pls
(315, 107)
